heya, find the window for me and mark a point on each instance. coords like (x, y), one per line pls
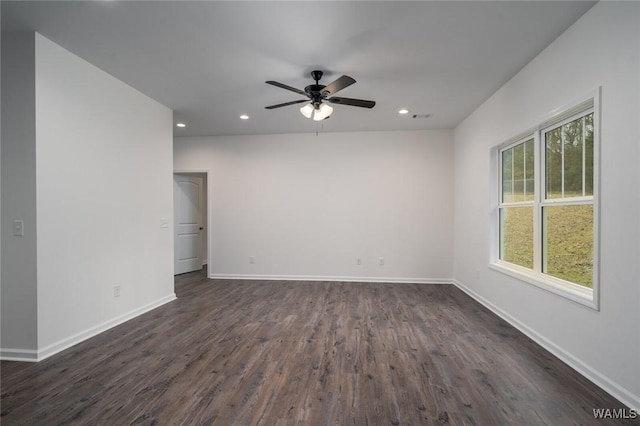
(567, 207)
(546, 216)
(517, 203)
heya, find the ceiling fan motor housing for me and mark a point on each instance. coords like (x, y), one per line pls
(315, 90)
(315, 93)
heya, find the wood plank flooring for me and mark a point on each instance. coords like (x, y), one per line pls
(304, 353)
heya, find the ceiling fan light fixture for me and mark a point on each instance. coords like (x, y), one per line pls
(307, 110)
(323, 111)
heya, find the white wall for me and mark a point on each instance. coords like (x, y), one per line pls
(18, 288)
(87, 162)
(307, 206)
(104, 171)
(601, 49)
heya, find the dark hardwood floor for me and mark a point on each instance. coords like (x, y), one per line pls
(313, 353)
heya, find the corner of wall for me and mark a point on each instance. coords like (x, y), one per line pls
(18, 186)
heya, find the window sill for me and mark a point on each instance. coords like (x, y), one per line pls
(574, 292)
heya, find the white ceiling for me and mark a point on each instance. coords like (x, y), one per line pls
(209, 60)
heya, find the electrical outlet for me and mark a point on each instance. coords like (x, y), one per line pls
(251, 260)
(381, 261)
(116, 291)
(358, 261)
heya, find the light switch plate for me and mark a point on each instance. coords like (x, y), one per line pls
(18, 228)
(164, 223)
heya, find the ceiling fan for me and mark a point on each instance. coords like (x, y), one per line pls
(318, 94)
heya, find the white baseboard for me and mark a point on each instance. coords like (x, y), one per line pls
(34, 356)
(620, 393)
(331, 278)
(24, 355)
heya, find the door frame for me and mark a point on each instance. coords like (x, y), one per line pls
(207, 205)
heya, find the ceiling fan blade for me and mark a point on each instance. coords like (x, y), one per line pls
(337, 85)
(284, 86)
(353, 102)
(287, 103)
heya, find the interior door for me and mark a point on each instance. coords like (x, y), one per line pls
(188, 210)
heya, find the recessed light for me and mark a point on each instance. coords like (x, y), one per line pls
(244, 117)
(403, 111)
(181, 125)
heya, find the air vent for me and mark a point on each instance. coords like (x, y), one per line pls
(421, 116)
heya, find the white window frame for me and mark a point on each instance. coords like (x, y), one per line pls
(575, 292)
